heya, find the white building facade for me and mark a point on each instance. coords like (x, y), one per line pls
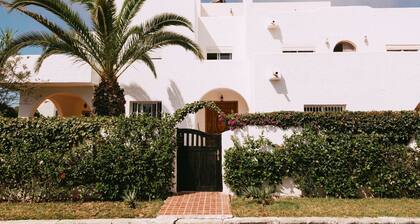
(261, 57)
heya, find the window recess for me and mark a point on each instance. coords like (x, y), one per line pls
(324, 107)
(298, 50)
(152, 108)
(219, 56)
(403, 48)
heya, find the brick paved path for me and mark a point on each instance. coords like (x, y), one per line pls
(197, 203)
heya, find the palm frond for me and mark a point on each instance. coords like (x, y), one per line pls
(89, 4)
(112, 44)
(129, 10)
(161, 21)
(84, 39)
(167, 38)
(58, 8)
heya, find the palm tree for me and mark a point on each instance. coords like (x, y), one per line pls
(109, 46)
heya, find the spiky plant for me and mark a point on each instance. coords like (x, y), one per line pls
(262, 195)
(111, 45)
(130, 197)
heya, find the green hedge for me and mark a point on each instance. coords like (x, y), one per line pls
(335, 165)
(399, 127)
(85, 158)
(96, 158)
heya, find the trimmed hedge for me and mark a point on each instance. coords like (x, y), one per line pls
(339, 165)
(399, 127)
(95, 158)
(85, 158)
(346, 154)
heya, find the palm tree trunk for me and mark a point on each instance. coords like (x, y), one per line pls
(109, 98)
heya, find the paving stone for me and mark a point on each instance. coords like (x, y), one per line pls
(199, 221)
(107, 221)
(197, 204)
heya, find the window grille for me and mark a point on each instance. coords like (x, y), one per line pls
(325, 108)
(219, 56)
(146, 107)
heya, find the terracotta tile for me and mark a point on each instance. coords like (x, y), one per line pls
(199, 203)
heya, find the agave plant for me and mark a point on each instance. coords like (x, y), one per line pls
(109, 46)
(262, 195)
(130, 197)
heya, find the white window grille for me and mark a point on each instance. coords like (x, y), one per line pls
(152, 108)
(325, 108)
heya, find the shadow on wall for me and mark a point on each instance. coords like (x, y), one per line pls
(174, 95)
(281, 88)
(205, 36)
(139, 94)
(177, 101)
(277, 34)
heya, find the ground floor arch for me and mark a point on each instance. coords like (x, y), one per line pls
(228, 100)
(62, 101)
(62, 105)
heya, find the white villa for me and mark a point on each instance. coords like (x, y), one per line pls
(261, 56)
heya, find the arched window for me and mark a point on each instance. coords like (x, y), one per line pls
(344, 46)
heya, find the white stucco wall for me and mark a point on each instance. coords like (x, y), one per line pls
(368, 79)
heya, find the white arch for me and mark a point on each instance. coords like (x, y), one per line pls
(62, 104)
(220, 94)
(347, 46)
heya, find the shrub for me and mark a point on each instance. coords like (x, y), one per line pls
(7, 111)
(96, 158)
(85, 158)
(399, 127)
(350, 166)
(325, 164)
(252, 163)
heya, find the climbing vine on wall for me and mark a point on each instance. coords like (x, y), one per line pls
(400, 126)
(194, 107)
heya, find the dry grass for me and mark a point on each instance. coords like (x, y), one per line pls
(316, 207)
(92, 210)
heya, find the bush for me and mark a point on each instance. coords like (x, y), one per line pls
(7, 111)
(399, 127)
(252, 164)
(95, 158)
(85, 158)
(351, 166)
(335, 165)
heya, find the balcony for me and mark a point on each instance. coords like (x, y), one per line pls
(227, 8)
(61, 70)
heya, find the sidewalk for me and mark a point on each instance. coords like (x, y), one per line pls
(267, 220)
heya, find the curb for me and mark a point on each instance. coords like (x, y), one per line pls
(209, 220)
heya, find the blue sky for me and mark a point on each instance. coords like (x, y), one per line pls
(21, 23)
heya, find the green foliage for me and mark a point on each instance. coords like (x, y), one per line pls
(130, 197)
(7, 111)
(350, 166)
(194, 107)
(399, 127)
(14, 76)
(252, 164)
(262, 194)
(111, 45)
(85, 158)
(326, 164)
(94, 158)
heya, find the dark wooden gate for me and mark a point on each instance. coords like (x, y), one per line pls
(199, 163)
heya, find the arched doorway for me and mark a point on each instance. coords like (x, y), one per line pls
(63, 105)
(46, 109)
(229, 101)
(345, 46)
